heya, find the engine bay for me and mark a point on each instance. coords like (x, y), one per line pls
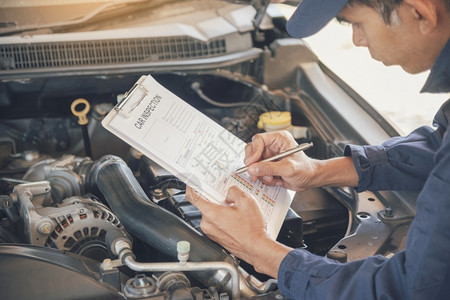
(54, 195)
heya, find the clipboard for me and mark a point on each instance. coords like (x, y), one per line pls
(191, 146)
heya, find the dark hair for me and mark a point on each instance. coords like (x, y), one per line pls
(386, 8)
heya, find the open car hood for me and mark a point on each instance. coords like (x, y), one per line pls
(159, 33)
(31, 17)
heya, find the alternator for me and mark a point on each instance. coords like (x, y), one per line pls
(81, 225)
(78, 224)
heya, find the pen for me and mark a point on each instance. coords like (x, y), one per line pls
(296, 149)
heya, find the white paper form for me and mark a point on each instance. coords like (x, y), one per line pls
(191, 146)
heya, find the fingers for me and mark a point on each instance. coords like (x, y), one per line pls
(197, 200)
(239, 198)
(267, 144)
(234, 196)
(254, 150)
(267, 174)
(281, 168)
(237, 228)
(271, 180)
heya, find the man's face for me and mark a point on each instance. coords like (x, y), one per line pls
(400, 43)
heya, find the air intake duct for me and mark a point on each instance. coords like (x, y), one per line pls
(144, 219)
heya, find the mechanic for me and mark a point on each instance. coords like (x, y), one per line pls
(415, 35)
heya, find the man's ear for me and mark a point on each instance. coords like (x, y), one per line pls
(425, 11)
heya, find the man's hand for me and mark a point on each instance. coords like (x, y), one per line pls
(296, 172)
(240, 228)
(293, 172)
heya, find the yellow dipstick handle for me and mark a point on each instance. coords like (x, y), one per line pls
(81, 114)
(80, 108)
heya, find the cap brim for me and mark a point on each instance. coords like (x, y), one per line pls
(312, 15)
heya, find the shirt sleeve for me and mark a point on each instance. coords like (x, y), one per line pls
(400, 163)
(303, 275)
(421, 271)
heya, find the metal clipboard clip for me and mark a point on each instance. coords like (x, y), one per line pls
(132, 98)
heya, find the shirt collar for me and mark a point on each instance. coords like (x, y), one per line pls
(439, 79)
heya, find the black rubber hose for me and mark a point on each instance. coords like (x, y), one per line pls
(144, 219)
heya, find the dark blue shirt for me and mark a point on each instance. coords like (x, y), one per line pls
(419, 161)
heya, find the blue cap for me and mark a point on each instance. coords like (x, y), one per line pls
(312, 15)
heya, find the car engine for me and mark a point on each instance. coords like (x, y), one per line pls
(54, 196)
(85, 216)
